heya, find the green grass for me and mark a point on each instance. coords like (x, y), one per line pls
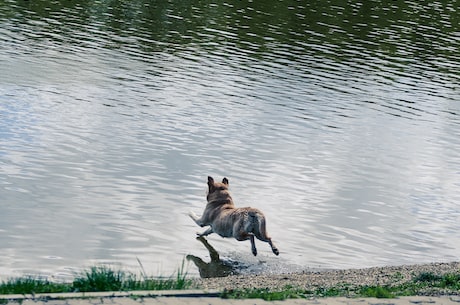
(30, 285)
(376, 292)
(264, 294)
(422, 284)
(97, 279)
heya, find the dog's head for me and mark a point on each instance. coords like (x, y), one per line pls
(217, 190)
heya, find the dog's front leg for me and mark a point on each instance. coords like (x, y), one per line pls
(206, 233)
(196, 219)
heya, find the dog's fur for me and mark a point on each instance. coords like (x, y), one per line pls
(228, 221)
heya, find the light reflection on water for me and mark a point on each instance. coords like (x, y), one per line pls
(346, 137)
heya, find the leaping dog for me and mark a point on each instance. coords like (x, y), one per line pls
(228, 221)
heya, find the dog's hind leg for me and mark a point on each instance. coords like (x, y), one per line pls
(261, 233)
(274, 248)
(253, 245)
(269, 241)
(243, 235)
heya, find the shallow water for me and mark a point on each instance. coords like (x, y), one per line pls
(342, 123)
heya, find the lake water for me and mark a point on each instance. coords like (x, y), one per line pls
(340, 122)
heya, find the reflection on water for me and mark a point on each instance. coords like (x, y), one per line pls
(340, 122)
(216, 267)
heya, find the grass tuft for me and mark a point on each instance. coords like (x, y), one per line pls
(376, 292)
(98, 279)
(446, 281)
(101, 279)
(30, 285)
(264, 294)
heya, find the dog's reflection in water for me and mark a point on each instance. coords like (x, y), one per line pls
(216, 267)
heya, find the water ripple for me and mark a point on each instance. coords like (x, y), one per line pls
(343, 130)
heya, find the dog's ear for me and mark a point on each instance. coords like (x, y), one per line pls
(225, 181)
(210, 183)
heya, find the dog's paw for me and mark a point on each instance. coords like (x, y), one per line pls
(192, 215)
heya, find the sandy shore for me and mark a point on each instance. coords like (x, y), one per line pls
(310, 280)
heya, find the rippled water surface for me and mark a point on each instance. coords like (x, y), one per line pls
(340, 121)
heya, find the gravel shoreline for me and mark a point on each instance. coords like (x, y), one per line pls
(310, 280)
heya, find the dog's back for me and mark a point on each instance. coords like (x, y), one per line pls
(231, 221)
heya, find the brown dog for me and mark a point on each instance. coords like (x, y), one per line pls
(228, 221)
